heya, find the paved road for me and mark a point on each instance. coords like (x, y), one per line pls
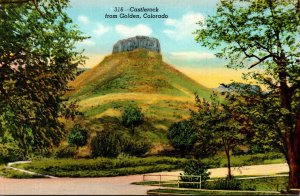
(111, 185)
(74, 186)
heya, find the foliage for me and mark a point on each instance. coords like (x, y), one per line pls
(10, 152)
(132, 117)
(270, 183)
(204, 192)
(242, 160)
(228, 184)
(134, 147)
(182, 136)
(65, 152)
(78, 136)
(10, 173)
(103, 166)
(197, 168)
(264, 34)
(107, 143)
(219, 125)
(37, 60)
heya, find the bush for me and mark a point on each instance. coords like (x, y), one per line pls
(237, 151)
(78, 136)
(104, 166)
(65, 152)
(197, 168)
(106, 144)
(182, 136)
(228, 184)
(9, 152)
(136, 148)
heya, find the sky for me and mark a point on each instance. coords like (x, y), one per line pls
(175, 33)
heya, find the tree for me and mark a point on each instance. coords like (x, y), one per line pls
(132, 117)
(218, 124)
(265, 34)
(78, 136)
(182, 136)
(37, 60)
(107, 143)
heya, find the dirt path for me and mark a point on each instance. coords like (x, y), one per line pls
(111, 185)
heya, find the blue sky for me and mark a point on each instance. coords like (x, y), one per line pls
(175, 33)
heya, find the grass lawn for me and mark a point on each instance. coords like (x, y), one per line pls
(258, 184)
(204, 192)
(10, 173)
(243, 160)
(102, 167)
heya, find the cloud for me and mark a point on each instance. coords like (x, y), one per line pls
(184, 27)
(83, 19)
(191, 55)
(100, 29)
(129, 31)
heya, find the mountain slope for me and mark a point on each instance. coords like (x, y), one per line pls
(137, 77)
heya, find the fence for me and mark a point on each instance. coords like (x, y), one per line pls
(171, 179)
(176, 180)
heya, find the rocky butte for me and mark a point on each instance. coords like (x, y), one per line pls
(132, 43)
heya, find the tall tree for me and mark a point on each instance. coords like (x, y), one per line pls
(37, 59)
(219, 125)
(264, 34)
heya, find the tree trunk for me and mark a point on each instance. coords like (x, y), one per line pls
(294, 157)
(229, 175)
(292, 133)
(294, 175)
(132, 129)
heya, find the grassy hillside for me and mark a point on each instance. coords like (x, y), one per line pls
(141, 78)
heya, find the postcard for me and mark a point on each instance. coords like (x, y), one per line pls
(115, 97)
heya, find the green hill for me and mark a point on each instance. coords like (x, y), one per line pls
(138, 77)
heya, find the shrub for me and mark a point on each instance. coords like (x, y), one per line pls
(136, 148)
(106, 144)
(182, 136)
(9, 152)
(237, 151)
(197, 168)
(78, 136)
(228, 184)
(65, 152)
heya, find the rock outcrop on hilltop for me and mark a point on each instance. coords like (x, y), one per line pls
(132, 43)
